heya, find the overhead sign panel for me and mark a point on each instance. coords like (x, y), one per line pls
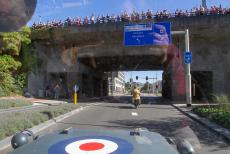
(147, 34)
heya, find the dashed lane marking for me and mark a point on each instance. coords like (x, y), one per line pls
(134, 114)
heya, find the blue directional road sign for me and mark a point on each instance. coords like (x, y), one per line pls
(187, 57)
(76, 88)
(147, 34)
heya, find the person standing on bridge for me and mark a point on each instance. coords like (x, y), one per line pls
(136, 98)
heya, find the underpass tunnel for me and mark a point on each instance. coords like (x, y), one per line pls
(202, 88)
(173, 78)
(172, 63)
(113, 66)
(88, 67)
(95, 83)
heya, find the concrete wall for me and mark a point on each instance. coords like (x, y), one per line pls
(58, 63)
(209, 42)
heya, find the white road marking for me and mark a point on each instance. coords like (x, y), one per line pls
(134, 114)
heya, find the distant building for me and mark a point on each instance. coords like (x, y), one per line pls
(116, 82)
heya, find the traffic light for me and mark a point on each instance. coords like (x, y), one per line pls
(131, 80)
(156, 86)
(147, 77)
(136, 77)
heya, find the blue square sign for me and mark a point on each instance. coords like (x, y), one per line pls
(147, 34)
(187, 57)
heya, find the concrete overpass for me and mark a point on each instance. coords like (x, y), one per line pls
(95, 49)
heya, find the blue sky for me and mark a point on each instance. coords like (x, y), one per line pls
(61, 9)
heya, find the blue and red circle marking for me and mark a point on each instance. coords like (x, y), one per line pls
(92, 145)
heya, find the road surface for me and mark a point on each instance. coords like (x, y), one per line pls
(153, 115)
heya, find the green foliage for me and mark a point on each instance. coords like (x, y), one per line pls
(10, 43)
(8, 103)
(25, 35)
(28, 59)
(7, 66)
(223, 101)
(2, 92)
(217, 115)
(145, 87)
(13, 68)
(19, 121)
(20, 81)
(128, 86)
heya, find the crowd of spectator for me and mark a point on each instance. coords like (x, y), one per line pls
(133, 17)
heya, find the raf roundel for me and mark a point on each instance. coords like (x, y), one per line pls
(92, 145)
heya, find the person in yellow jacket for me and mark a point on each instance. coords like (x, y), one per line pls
(136, 96)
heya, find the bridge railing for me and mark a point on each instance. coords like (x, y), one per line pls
(130, 19)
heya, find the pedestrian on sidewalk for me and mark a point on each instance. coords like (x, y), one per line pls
(57, 90)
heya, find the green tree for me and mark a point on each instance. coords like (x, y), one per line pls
(10, 43)
(28, 59)
(145, 87)
(7, 67)
(127, 85)
(14, 66)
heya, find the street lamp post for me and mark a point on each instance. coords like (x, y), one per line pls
(188, 74)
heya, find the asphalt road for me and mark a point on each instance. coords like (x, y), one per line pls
(152, 114)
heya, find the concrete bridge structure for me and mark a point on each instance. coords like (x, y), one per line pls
(83, 54)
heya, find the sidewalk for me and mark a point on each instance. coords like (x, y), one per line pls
(225, 133)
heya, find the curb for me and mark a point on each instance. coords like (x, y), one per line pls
(219, 130)
(6, 143)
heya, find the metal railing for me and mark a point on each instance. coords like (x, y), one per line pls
(137, 18)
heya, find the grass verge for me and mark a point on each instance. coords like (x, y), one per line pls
(9, 103)
(217, 115)
(20, 121)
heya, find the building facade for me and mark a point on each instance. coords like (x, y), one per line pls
(116, 82)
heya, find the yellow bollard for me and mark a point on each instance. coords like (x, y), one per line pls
(75, 99)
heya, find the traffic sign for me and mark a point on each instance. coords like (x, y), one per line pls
(76, 88)
(147, 34)
(187, 57)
